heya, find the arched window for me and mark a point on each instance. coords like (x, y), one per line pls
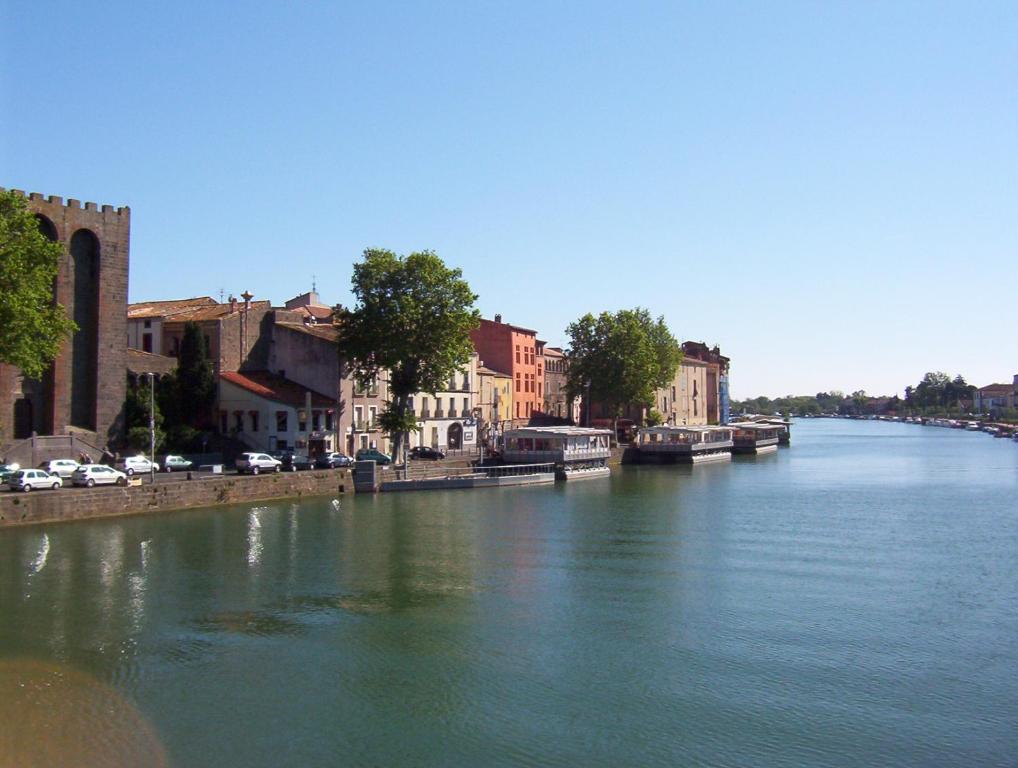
(85, 253)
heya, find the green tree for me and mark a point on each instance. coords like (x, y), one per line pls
(32, 326)
(412, 318)
(136, 417)
(621, 358)
(195, 382)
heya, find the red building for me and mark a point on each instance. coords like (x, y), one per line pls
(517, 352)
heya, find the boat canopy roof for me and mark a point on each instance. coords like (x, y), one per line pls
(563, 431)
(665, 429)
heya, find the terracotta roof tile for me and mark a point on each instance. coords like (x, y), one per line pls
(274, 387)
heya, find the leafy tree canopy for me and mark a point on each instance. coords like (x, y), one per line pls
(412, 319)
(195, 380)
(32, 326)
(622, 357)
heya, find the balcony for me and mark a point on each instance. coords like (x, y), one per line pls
(452, 413)
(439, 413)
(425, 414)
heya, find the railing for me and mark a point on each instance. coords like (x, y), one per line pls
(33, 450)
(452, 413)
(439, 413)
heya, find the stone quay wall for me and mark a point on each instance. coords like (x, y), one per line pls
(47, 506)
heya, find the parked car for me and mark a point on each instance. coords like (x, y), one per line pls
(63, 467)
(373, 454)
(333, 460)
(29, 479)
(137, 464)
(257, 462)
(6, 470)
(98, 474)
(176, 464)
(424, 452)
(294, 461)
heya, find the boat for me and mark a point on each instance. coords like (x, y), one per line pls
(684, 445)
(576, 452)
(755, 438)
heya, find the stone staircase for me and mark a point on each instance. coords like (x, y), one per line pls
(32, 451)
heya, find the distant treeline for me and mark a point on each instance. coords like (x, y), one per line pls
(935, 394)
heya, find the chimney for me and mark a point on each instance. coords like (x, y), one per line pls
(498, 318)
(247, 296)
(233, 304)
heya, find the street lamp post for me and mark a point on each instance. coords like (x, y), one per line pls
(152, 425)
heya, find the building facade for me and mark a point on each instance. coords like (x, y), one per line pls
(718, 402)
(516, 351)
(686, 400)
(448, 419)
(269, 413)
(84, 389)
(556, 399)
(994, 398)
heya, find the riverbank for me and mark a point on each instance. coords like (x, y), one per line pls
(207, 491)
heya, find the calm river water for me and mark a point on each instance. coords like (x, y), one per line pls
(850, 601)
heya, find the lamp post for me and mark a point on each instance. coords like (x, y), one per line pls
(151, 424)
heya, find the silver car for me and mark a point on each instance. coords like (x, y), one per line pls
(30, 479)
(63, 467)
(98, 474)
(257, 462)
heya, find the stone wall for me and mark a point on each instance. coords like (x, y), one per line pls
(86, 503)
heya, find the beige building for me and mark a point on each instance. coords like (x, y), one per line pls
(684, 401)
(447, 418)
(496, 395)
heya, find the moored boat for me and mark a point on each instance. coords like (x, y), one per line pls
(686, 444)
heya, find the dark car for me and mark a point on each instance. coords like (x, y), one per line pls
(424, 452)
(373, 454)
(294, 461)
(333, 460)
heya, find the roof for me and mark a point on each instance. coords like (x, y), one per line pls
(996, 389)
(145, 362)
(213, 311)
(665, 428)
(150, 309)
(563, 431)
(325, 331)
(517, 328)
(313, 310)
(483, 370)
(554, 352)
(274, 387)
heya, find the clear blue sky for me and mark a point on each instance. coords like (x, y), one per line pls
(829, 191)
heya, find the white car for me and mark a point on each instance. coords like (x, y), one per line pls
(63, 467)
(98, 474)
(138, 464)
(257, 462)
(29, 479)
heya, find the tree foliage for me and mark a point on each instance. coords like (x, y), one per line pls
(622, 357)
(32, 326)
(412, 320)
(194, 381)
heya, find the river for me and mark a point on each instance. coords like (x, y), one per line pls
(849, 601)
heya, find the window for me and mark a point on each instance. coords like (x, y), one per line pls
(452, 405)
(517, 409)
(316, 421)
(224, 417)
(238, 419)
(372, 416)
(410, 404)
(148, 323)
(466, 406)
(517, 353)
(358, 417)
(517, 383)
(282, 419)
(254, 421)
(302, 421)
(424, 406)
(328, 420)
